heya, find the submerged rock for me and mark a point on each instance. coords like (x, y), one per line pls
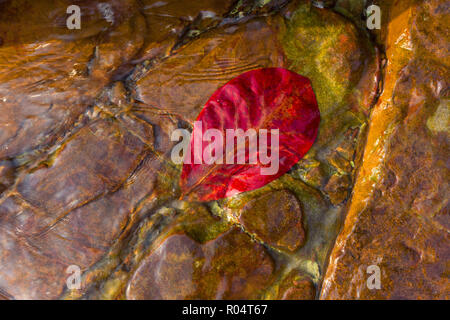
(86, 177)
(229, 267)
(50, 75)
(276, 219)
(297, 286)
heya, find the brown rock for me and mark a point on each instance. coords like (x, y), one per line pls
(49, 74)
(167, 20)
(296, 286)
(276, 219)
(50, 222)
(7, 175)
(337, 188)
(99, 158)
(183, 83)
(229, 267)
(85, 177)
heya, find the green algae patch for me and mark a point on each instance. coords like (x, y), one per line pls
(199, 224)
(340, 62)
(310, 44)
(439, 122)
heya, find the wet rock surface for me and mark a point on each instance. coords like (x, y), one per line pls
(296, 286)
(168, 21)
(86, 177)
(183, 83)
(398, 217)
(275, 218)
(182, 269)
(50, 74)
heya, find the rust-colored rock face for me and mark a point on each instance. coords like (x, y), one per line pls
(87, 179)
(398, 218)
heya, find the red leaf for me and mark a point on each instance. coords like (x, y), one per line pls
(268, 98)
